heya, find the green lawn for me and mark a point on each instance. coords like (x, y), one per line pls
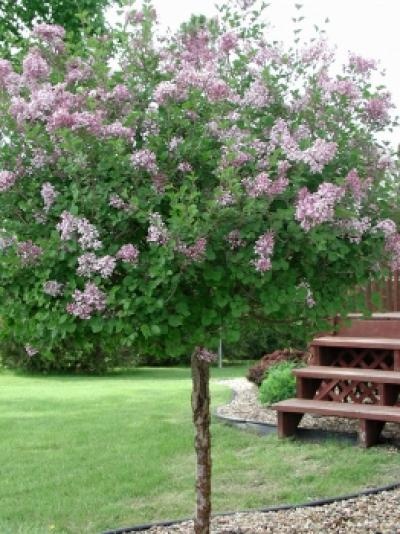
(86, 454)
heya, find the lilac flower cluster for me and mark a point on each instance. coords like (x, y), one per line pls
(310, 301)
(361, 65)
(257, 95)
(145, 159)
(319, 207)
(185, 166)
(88, 234)
(86, 302)
(355, 228)
(234, 240)
(30, 350)
(264, 248)
(7, 180)
(115, 201)
(128, 253)
(53, 288)
(319, 154)
(225, 198)
(34, 67)
(377, 108)
(229, 41)
(205, 355)
(358, 188)
(157, 231)
(89, 264)
(195, 252)
(392, 246)
(52, 34)
(263, 185)
(386, 226)
(49, 194)
(28, 252)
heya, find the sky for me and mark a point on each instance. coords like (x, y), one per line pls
(367, 27)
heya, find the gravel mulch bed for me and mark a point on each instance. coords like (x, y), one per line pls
(373, 514)
(245, 406)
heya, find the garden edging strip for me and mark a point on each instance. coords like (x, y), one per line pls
(311, 504)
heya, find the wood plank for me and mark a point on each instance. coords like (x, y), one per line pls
(356, 342)
(372, 412)
(348, 373)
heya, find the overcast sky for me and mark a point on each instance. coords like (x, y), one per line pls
(368, 27)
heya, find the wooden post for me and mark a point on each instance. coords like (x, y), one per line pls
(369, 432)
(201, 420)
(288, 423)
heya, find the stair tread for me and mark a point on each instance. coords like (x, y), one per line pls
(349, 373)
(350, 410)
(356, 342)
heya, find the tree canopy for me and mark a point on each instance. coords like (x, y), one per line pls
(18, 16)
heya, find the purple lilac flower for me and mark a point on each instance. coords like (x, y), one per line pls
(377, 108)
(358, 188)
(28, 252)
(387, 227)
(128, 253)
(225, 198)
(157, 232)
(34, 67)
(31, 351)
(49, 194)
(362, 65)
(52, 33)
(319, 154)
(185, 166)
(86, 302)
(7, 180)
(228, 41)
(257, 95)
(53, 288)
(194, 252)
(263, 185)
(205, 355)
(316, 208)
(145, 159)
(392, 246)
(264, 248)
(105, 266)
(168, 91)
(355, 228)
(70, 224)
(115, 201)
(234, 239)
(121, 93)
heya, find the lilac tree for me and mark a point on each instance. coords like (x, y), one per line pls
(159, 189)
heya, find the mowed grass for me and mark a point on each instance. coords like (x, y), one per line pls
(86, 454)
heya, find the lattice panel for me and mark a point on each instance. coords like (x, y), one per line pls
(348, 391)
(363, 358)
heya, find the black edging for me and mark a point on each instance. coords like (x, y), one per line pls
(311, 504)
(320, 502)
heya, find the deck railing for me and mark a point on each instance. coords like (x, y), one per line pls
(389, 291)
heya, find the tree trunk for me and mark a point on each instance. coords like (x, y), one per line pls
(201, 420)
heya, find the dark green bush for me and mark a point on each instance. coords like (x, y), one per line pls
(280, 383)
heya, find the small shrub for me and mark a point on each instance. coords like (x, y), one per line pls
(257, 372)
(280, 383)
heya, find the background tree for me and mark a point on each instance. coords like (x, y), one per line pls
(18, 16)
(160, 191)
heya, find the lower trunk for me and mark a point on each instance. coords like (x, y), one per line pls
(201, 420)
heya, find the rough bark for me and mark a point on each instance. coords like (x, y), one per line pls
(201, 420)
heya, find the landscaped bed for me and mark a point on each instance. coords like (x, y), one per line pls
(86, 454)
